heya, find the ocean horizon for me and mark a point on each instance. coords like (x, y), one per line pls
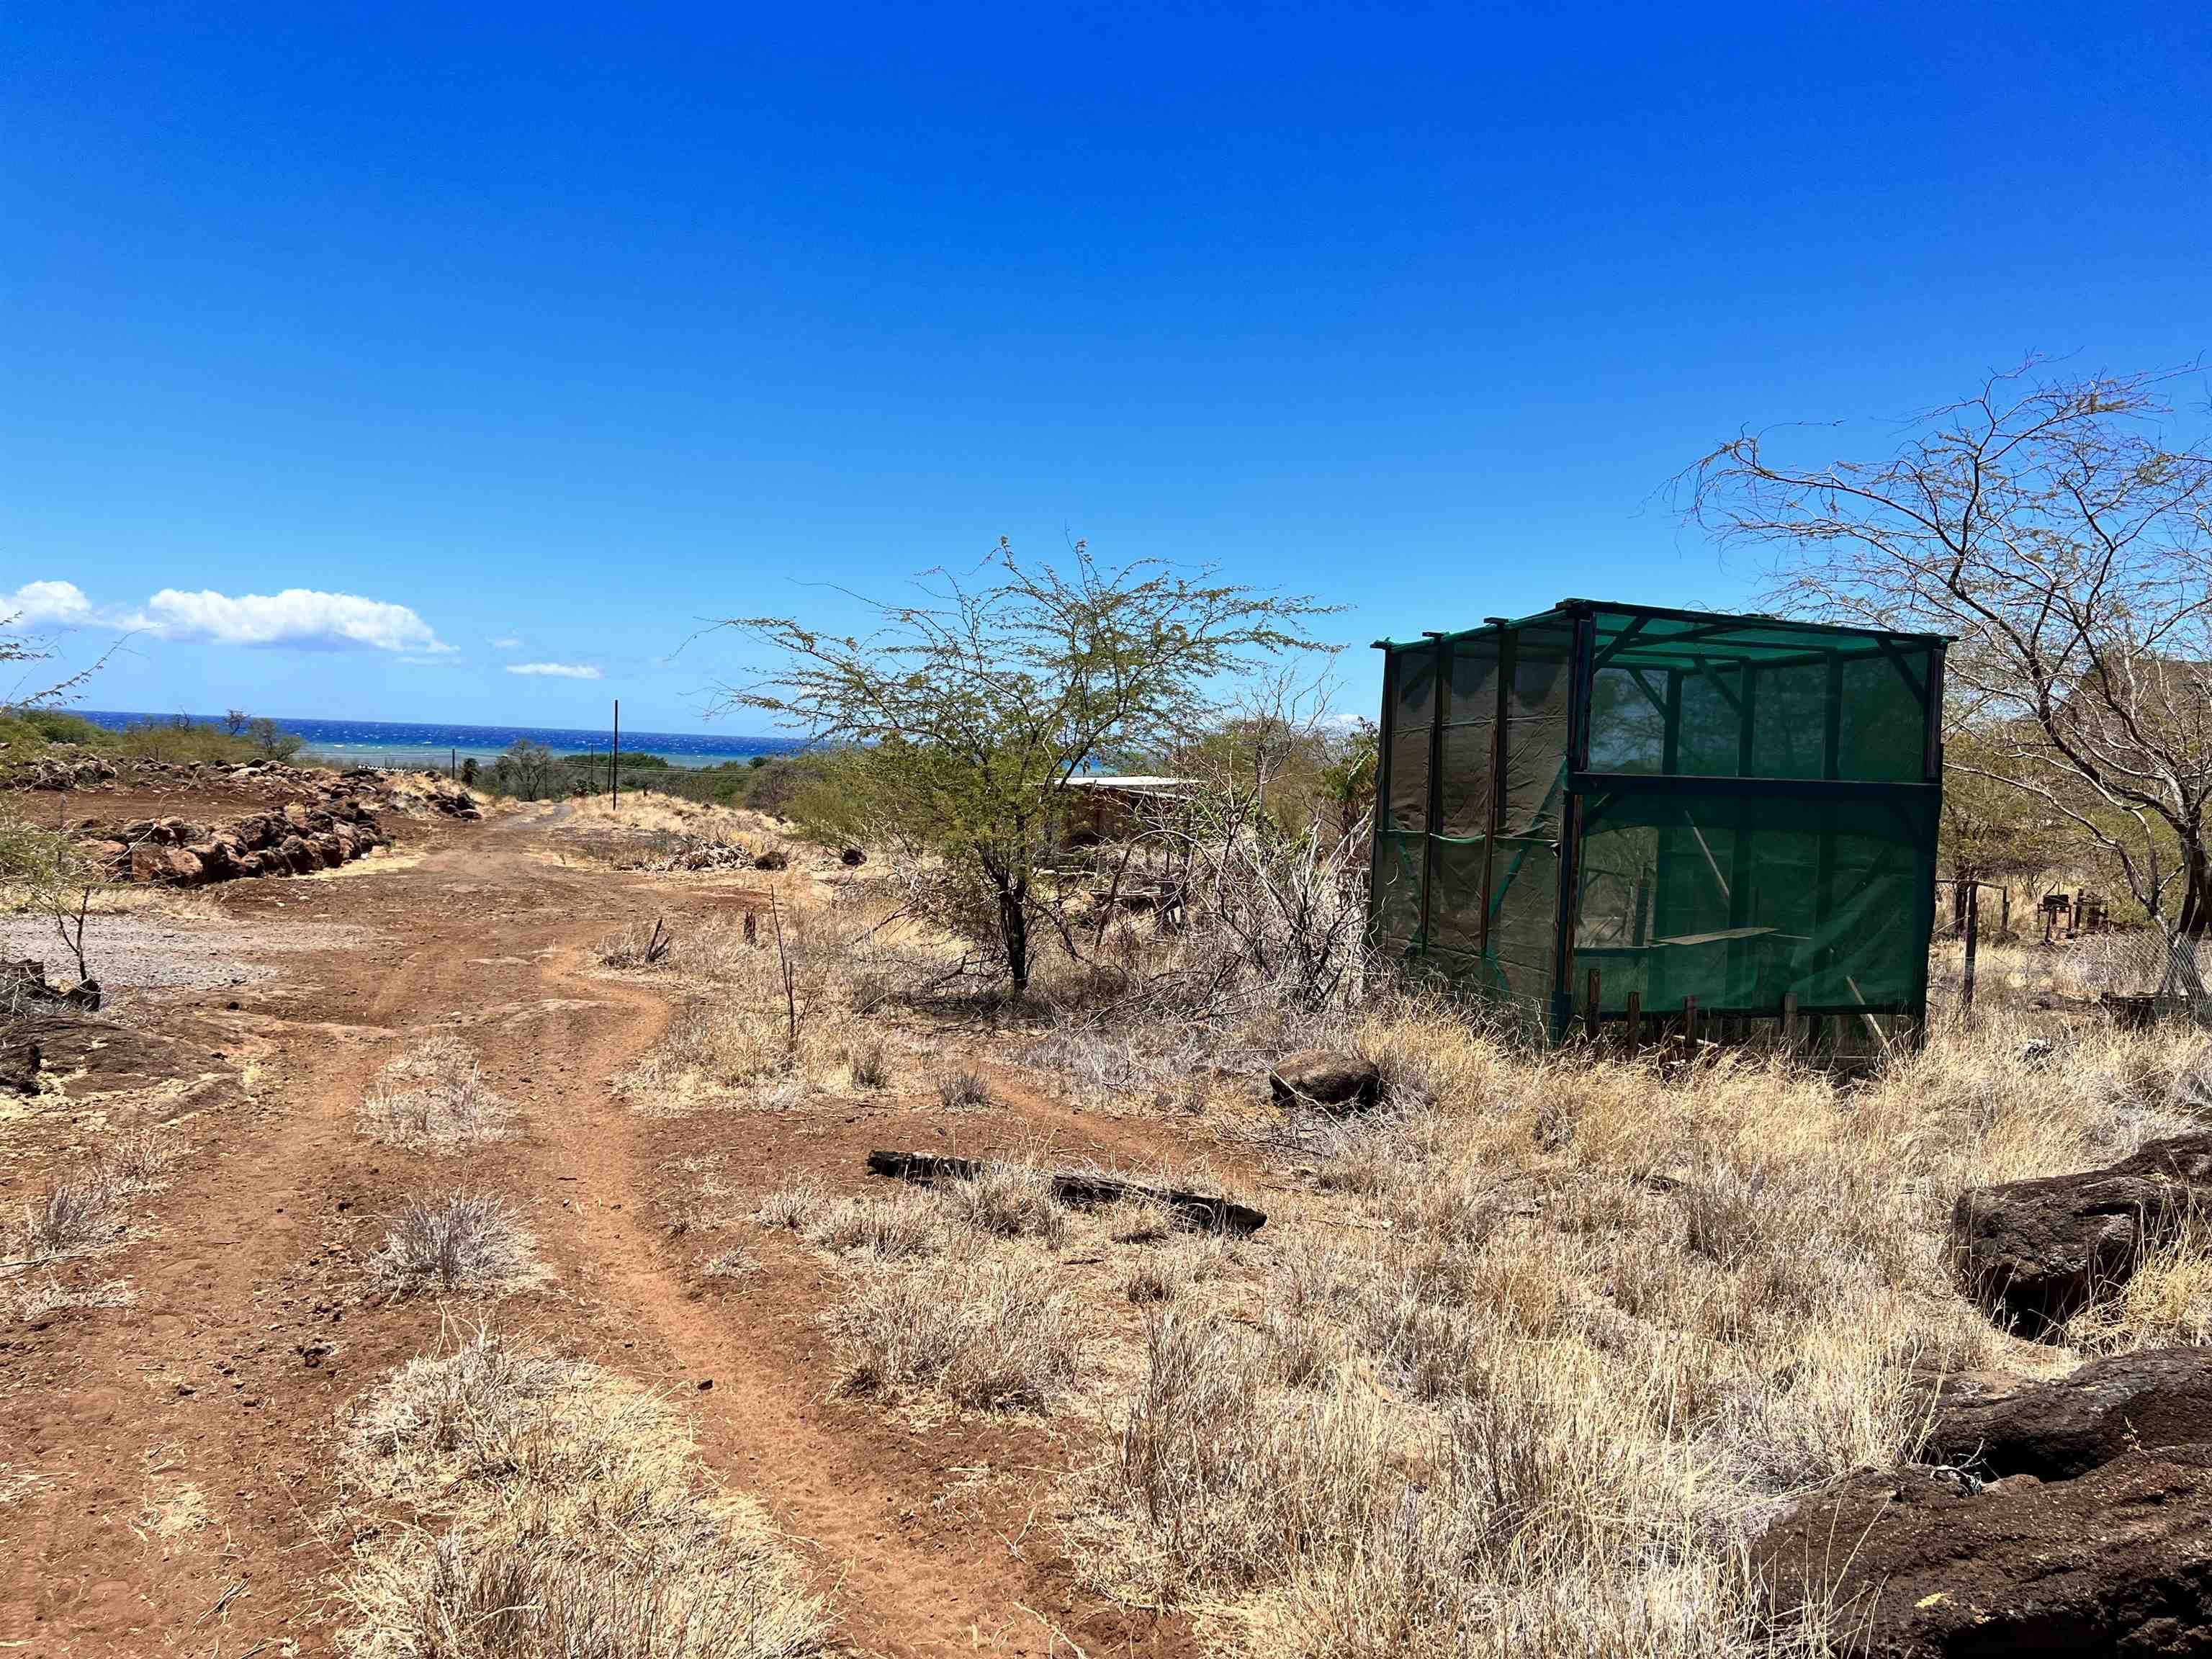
(387, 743)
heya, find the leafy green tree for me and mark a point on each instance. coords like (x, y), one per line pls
(969, 710)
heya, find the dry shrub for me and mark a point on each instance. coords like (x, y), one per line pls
(962, 1088)
(1009, 1199)
(985, 1335)
(436, 1097)
(890, 1227)
(554, 1510)
(76, 1215)
(136, 1160)
(893, 1228)
(731, 1263)
(794, 1205)
(2166, 1302)
(869, 1059)
(456, 1241)
(637, 945)
(30, 1303)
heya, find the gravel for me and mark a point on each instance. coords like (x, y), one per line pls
(130, 952)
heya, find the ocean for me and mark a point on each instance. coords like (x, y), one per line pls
(408, 743)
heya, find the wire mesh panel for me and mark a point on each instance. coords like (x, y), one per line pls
(1732, 809)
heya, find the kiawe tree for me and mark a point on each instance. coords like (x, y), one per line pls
(2060, 532)
(969, 710)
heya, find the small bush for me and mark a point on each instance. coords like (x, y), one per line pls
(72, 1215)
(462, 1240)
(904, 1224)
(793, 1206)
(870, 1058)
(963, 1090)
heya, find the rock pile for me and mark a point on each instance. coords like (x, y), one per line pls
(68, 768)
(290, 842)
(2071, 1517)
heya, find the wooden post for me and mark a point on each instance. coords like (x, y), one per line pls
(1590, 1007)
(1974, 939)
(453, 764)
(1635, 1020)
(1789, 1023)
(1690, 1022)
(614, 759)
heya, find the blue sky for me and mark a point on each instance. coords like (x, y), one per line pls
(570, 328)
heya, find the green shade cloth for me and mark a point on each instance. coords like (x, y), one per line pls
(1732, 808)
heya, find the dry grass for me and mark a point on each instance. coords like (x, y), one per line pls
(456, 1241)
(88, 1209)
(1574, 1327)
(30, 1303)
(1008, 1198)
(982, 1335)
(435, 1098)
(548, 1508)
(743, 1035)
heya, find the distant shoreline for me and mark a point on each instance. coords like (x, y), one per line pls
(412, 743)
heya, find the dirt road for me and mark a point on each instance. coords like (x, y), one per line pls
(167, 1469)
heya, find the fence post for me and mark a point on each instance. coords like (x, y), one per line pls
(1690, 1023)
(1590, 1007)
(1974, 939)
(1789, 1023)
(1635, 1020)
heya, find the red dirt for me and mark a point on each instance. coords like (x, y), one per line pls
(247, 1336)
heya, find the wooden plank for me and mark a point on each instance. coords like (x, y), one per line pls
(1079, 1187)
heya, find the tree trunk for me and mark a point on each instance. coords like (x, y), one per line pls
(2196, 918)
(1014, 936)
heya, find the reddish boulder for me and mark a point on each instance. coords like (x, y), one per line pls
(296, 856)
(214, 859)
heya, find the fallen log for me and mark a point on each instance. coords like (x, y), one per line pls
(1081, 1187)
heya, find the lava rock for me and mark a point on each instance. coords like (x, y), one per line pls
(1917, 1564)
(2036, 1251)
(2154, 1400)
(1318, 1077)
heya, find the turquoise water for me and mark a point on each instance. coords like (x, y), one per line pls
(407, 743)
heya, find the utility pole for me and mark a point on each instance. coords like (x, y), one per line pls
(614, 759)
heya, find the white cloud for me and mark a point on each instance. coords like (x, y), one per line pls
(567, 671)
(52, 601)
(302, 618)
(505, 645)
(298, 616)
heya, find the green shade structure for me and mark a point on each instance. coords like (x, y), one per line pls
(1735, 813)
